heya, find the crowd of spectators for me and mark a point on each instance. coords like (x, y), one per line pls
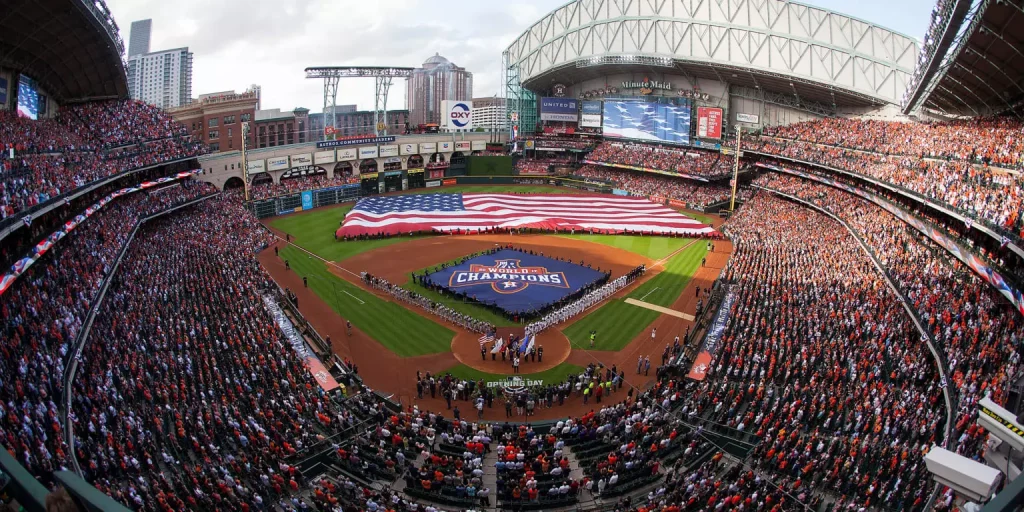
(188, 396)
(567, 142)
(268, 190)
(538, 166)
(990, 141)
(41, 315)
(819, 361)
(973, 327)
(955, 163)
(691, 162)
(82, 144)
(694, 195)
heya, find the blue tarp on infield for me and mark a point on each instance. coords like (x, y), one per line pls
(515, 281)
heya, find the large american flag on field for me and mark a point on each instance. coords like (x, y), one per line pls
(481, 212)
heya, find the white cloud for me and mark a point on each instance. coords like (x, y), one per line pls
(271, 42)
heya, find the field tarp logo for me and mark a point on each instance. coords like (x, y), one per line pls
(461, 114)
(507, 277)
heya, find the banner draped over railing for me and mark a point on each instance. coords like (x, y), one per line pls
(702, 363)
(987, 273)
(42, 247)
(309, 359)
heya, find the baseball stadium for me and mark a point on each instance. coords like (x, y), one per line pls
(730, 256)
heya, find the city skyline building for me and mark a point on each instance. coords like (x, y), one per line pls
(162, 78)
(138, 38)
(489, 113)
(437, 80)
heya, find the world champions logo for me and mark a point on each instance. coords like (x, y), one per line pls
(507, 277)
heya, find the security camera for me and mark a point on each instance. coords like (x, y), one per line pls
(1000, 423)
(970, 479)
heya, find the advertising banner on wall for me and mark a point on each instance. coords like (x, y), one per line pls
(347, 154)
(390, 150)
(462, 145)
(591, 116)
(323, 157)
(307, 200)
(428, 148)
(408, 149)
(559, 109)
(457, 115)
(302, 160)
(478, 145)
(277, 163)
(748, 118)
(444, 147)
(368, 152)
(255, 166)
(353, 141)
(709, 122)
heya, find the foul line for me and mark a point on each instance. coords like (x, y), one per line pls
(331, 263)
(648, 293)
(317, 256)
(659, 309)
(677, 251)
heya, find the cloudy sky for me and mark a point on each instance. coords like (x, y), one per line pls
(270, 42)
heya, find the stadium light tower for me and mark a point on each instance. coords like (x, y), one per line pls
(383, 77)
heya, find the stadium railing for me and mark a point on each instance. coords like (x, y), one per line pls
(14, 222)
(938, 355)
(982, 224)
(83, 334)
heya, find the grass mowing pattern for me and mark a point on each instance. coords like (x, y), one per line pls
(653, 247)
(550, 376)
(404, 332)
(314, 231)
(617, 323)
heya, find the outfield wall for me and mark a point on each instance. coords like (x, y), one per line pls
(478, 165)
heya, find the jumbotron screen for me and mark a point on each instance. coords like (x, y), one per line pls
(647, 121)
(28, 98)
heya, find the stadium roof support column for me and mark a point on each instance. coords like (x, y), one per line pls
(380, 104)
(382, 74)
(331, 99)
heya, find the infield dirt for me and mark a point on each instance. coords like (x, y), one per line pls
(381, 369)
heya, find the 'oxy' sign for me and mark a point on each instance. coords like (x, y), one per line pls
(461, 114)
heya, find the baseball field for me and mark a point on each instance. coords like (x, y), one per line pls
(391, 340)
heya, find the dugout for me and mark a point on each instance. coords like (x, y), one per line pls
(417, 178)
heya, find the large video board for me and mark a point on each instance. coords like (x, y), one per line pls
(647, 121)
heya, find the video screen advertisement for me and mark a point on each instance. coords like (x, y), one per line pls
(709, 123)
(591, 114)
(559, 109)
(28, 98)
(658, 122)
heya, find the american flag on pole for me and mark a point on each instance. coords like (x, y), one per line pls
(482, 212)
(485, 339)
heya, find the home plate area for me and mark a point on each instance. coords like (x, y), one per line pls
(521, 284)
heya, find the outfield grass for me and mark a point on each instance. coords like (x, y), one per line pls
(402, 331)
(551, 376)
(617, 323)
(653, 247)
(314, 231)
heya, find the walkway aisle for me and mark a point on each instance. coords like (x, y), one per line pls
(491, 474)
(586, 499)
